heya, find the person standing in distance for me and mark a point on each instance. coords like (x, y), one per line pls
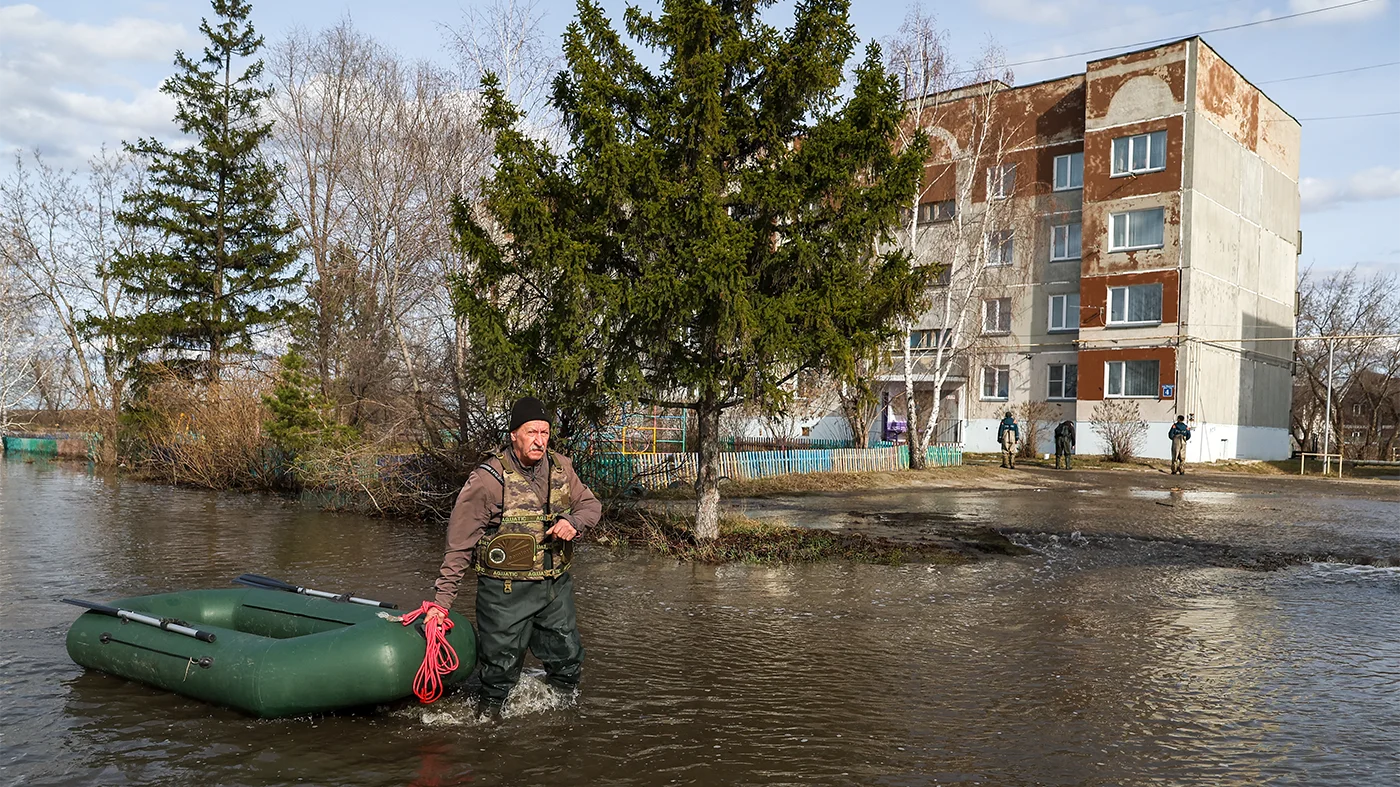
(514, 523)
(1179, 434)
(1008, 435)
(1064, 444)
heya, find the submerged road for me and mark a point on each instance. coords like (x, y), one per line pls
(1119, 652)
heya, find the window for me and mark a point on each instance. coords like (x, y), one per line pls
(996, 315)
(1069, 172)
(1136, 229)
(1064, 381)
(927, 338)
(1000, 248)
(1130, 378)
(996, 382)
(1064, 242)
(1139, 304)
(1001, 181)
(1140, 153)
(1064, 312)
(937, 211)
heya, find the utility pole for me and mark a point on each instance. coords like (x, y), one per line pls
(1327, 428)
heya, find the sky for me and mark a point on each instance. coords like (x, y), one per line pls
(76, 75)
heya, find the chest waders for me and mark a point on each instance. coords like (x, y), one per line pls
(514, 545)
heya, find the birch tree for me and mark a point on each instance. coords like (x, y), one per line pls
(505, 38)
(969, 139)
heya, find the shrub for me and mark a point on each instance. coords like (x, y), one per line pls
(1035, 418)
(187, 432)
(1120, 424)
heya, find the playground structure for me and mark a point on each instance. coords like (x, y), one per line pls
(651, 431)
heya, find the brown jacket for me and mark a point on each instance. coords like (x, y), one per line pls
(480, 500)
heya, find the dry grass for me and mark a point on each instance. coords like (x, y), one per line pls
(816, 483)
(205, 436)
(743, 539)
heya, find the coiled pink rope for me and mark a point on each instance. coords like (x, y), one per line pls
(439, 659)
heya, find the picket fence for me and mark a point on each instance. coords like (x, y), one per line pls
(658, 471)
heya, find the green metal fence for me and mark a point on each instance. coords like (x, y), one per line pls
(615, 471)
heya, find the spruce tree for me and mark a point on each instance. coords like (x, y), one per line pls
(712, 229)
(221, 274)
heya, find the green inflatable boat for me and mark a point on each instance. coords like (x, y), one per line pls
(263, 651)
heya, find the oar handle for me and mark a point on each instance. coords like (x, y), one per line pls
(271, 583)
(126, 614)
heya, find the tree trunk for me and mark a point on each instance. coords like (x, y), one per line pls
(459, 378)
(707, 474)
(918, 457)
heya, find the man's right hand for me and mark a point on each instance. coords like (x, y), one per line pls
(436, 614)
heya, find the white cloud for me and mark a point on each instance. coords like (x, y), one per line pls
(70, 87)
(76, 47)
(1376, 183)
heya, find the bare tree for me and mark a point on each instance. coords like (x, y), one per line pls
(17, 337)
(972, 142)
(860, 401)
(61, 239)
(374, 148)
(1355, 357)
(506, 38)
(322, 92)
(1036, 419)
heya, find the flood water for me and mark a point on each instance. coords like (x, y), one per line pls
(1074, 666)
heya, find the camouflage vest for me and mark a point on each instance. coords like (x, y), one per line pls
(514, 547)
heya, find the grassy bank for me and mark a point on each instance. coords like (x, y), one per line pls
(742, 539)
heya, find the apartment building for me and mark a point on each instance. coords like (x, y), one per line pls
(1126, 235)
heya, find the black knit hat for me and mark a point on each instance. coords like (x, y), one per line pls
(526, 409)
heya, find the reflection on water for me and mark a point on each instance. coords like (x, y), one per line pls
(1073, 667)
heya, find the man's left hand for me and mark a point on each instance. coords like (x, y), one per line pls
(562, 529)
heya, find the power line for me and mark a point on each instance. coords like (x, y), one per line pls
(1174, 38)
(1348, 117)
(1329, 73)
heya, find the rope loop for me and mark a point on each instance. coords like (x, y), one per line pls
(439, 657)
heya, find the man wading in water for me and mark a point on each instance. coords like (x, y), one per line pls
(514, 523)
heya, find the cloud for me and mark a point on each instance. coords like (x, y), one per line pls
(1376, 183)
(70, 87)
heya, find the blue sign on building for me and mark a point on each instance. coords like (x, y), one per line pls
(1168, 391)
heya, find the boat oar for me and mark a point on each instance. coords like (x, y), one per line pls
(167, 624)
(269, 583)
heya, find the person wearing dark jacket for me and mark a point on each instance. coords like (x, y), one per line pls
(1064, 443)
(1008, 434)
(1179, 434)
